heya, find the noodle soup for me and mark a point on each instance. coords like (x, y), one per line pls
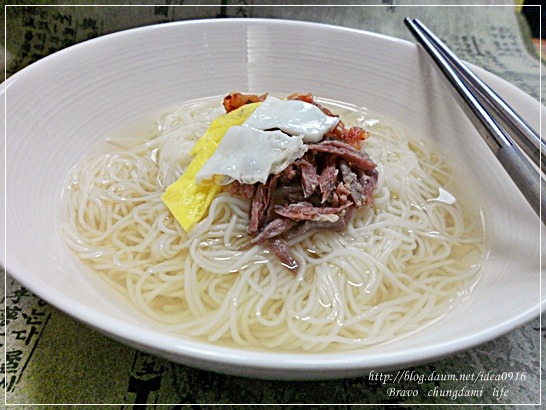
(396, 267)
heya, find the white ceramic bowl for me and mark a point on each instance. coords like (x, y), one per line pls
(60, 107)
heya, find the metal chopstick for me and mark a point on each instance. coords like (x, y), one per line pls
(522, 133)
(524, 174)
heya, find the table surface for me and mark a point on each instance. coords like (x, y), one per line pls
(52, 359)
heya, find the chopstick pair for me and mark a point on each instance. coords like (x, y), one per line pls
(504, 131)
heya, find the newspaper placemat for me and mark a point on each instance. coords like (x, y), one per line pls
(52, 359)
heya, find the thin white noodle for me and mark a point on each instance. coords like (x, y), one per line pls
(394, 269)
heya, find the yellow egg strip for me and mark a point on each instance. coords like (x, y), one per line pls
(188, 201)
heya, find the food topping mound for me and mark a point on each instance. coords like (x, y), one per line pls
(294, 160)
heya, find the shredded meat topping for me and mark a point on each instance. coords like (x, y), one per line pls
(236, 100)
(321, 190)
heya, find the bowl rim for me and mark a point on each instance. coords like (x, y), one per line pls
(168, 345)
